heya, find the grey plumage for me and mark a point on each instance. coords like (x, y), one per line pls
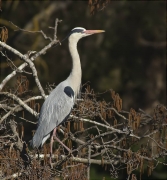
(55, 108)
(60, 102)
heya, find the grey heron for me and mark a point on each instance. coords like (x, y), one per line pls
(58, 105)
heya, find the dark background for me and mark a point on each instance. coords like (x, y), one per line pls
(130, 57)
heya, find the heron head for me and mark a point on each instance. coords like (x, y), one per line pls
(79, 32)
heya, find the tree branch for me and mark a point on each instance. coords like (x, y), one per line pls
(21, 67)
(21, 103)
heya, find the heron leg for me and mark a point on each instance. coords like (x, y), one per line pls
(58, 140)
(51, 146)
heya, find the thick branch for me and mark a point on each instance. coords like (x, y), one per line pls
(76, 159)
(28, 61)
(103, 125)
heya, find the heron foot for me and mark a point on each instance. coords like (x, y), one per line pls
(51, 165)
(50, 161)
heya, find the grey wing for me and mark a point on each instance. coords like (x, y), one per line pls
(54, 111)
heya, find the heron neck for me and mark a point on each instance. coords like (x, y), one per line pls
(75, 75)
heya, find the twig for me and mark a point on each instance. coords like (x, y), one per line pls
(88, 166)
(156, 142)
(43, 34)
(104, 120)
(14, 67)
(118, 113)
(55, 29)
(27, 120)
(91, 140)
(21, 103)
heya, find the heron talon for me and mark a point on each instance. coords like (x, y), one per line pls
(50, 162)
(51, 165)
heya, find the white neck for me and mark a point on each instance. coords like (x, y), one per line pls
(76, 73)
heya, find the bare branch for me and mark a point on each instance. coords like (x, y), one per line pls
(21, 67)
(102, 125)
(21, 103)
(29, 62)
(20, 29)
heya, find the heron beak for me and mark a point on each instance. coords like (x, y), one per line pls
(93, 31)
